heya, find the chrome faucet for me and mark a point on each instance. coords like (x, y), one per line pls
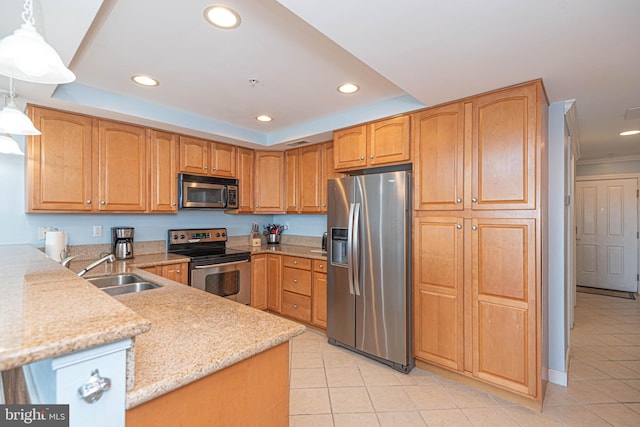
(94, 264)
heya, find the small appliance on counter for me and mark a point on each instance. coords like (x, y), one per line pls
(122, 242)
(273, 232)
(254, 236)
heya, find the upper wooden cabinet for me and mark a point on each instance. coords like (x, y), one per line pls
(199, 156)
(59, 162)
(246, 166)
(291, 184)
(479, 154)
(122, 166)
(162, 172)
(380, 143)
(305, 179)
(269, 182)
(328, 171)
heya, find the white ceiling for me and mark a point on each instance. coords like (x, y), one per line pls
(404, 54)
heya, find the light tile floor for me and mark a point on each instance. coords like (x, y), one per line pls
(333, 387)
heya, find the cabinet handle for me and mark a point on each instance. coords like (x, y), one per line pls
(474, 200)
(371, 157)
(206, 167)
(92, 391)
(458, 226)
(321, 266)
(324, 205)
(474, 228)
(295, 280)
(178, 271)
(173, 204)
(257, 206)
(215, 169)
(317, 206)
(89, 201)
(361, 157)
(295, 305)
(458, 200)
(102, 202)
(295, 262)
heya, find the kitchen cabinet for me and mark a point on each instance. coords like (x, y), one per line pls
(122, 166)
(246, 165)
(304, 179)
(296, 288)
(291, 192)
(319, 294)
(60, 172)
(269, 182)
(259, 281)
(202, 157)
(163, 190)
(328, 172)
(381, 143)
(478, 237)
(274, 282)
(178, 272)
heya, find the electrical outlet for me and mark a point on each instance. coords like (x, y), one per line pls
(42, 231)
(97, 231)
(285, 226)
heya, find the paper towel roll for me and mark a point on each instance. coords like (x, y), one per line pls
(54, 245)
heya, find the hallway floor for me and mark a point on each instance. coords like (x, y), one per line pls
(334, 387)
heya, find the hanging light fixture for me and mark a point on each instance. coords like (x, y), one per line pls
(25, 55)
(9, 145)
(14, 121)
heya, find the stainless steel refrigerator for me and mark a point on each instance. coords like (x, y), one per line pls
(369, 275)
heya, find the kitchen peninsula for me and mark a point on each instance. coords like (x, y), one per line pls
(194, 354)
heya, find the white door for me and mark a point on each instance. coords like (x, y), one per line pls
(607, 242)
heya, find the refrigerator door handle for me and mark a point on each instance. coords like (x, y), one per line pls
(349, 248)
(355, 257)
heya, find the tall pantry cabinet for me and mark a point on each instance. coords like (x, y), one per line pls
(480, 167)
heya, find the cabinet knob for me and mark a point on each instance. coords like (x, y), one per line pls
(102, 202)
(321, 266)
(295, 280)
(178, 271)
(89, 201)
(317, 206)
(324, 205)
(474, 228)
(215, 169)
(295, 262)
(458, 200)
(92, 391)
(474, 200)
(206, 167)
(361, 157)
(458, 226)
(371, 157)
(173, 204)
(295, 305)
(257, 206)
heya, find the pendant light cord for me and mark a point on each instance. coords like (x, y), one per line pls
(12, 90)
(27, 15)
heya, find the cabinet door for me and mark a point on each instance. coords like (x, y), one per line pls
(438, 291)
(319, 300)
(162, 172)
(246, 164)
(269, 182)
(328, 172)
(291, 189)
(194, 155)
(504, 303)
(438, 135)
(259, 281)
(177, 272)
(59, 167)
(388, 141)
(350, 148)
(122, 167)
(274, 282)
(223, 160)
(504, 149)
(310, 178)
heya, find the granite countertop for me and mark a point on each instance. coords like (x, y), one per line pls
(286, 249)
(123, 266)
(194, 334)
(47, 311)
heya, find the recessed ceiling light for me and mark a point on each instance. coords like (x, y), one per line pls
(348, 88)
(264, 118)
(629, 132)
(222, 17)
(143, 80)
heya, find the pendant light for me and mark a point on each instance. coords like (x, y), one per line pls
(14, 121)
(9, 145)
(25, 55)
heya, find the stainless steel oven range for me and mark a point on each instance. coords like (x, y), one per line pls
(213, 267)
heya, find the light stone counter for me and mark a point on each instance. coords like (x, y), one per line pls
(285, 249)
(47, 311)
(194, 334)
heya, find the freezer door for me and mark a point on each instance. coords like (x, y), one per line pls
(340, 297)
(381, 307)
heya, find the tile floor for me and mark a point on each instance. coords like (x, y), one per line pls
(334, 387)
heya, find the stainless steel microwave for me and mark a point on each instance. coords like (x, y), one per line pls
(207, 192)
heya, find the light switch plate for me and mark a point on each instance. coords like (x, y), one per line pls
(42, 231)
(97, 231)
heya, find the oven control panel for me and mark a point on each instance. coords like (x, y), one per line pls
(197, 235)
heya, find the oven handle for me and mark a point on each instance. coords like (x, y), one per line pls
(221, 265)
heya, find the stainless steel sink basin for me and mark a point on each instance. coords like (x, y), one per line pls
(122, 284)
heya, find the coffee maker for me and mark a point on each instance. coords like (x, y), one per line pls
(122, 242)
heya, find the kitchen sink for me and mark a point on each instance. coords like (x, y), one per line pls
(119, 284)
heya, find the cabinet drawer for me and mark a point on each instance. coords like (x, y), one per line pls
(296, 280)
(297, 262)
(319, 266)
(297, 306)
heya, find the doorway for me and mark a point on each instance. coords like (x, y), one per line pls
(607, 234)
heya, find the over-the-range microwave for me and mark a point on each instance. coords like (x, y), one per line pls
(207, 192)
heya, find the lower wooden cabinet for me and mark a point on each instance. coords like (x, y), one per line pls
(319, 294)
(274, 282)
(259, 281)
(178, 272)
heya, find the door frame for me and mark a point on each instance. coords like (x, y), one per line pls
(605, 178)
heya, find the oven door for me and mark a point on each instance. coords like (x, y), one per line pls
(229, 280)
